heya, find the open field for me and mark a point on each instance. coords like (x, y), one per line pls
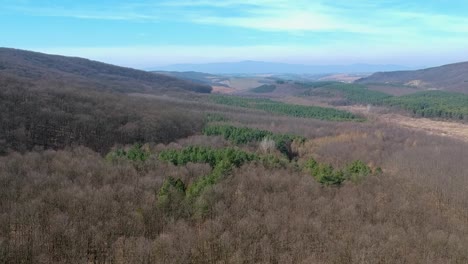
(348, 78)
(223, 90)
(396, 90)
(442, 128)
(454, 130)
(433, 127)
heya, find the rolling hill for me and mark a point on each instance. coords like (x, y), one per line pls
(50, 102)
(52, 71)
(451, 77)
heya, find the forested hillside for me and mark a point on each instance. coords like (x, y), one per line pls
(51, 101)
(52, 71)
(294, 110)
(53, 118)
(264, 89)
(436, 104)
(431, 104)
(452, 78)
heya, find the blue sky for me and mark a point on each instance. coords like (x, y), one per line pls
(145, 34)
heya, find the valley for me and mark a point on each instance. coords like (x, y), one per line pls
(105, 164)
(233, 132)
(454, 130)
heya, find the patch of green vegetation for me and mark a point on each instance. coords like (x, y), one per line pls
(198, 154)
(237, 135)
(356, 171)
(361, 94)
(357, 93)
(170, 185)
(327, 175)
(266, 88)
(221, 160)
(313, 85)
(433, 104)
(270, 106)
(243, 135)
(221, 169)
(136, 153)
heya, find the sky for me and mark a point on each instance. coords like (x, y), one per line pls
(146, 34)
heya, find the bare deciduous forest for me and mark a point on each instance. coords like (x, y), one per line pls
(92, 176)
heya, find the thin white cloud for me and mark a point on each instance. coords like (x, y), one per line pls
(275, 15)
(364, 32)
(290, 22)
(385, 17)
(230, 3)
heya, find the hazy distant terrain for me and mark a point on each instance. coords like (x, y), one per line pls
(198, 77)
(241, 83)
(257, 67)
(452, 77)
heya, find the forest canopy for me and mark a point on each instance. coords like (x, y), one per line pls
(103, 168)
(432, 104)
(293, 110)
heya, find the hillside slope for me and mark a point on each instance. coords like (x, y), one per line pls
(54, 71)
(452, 77)
(51, 102)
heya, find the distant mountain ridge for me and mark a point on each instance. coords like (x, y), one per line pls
(44, 70)
(258, 67)
(450, 77)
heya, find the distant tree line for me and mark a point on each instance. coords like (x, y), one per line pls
(266, 88)
(267, 105)
(432, 104)
(354, 93)
(438, 104)
(312, 85)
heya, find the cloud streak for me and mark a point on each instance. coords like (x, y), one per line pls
(364, 17)
(386, 18)
(179, 31)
